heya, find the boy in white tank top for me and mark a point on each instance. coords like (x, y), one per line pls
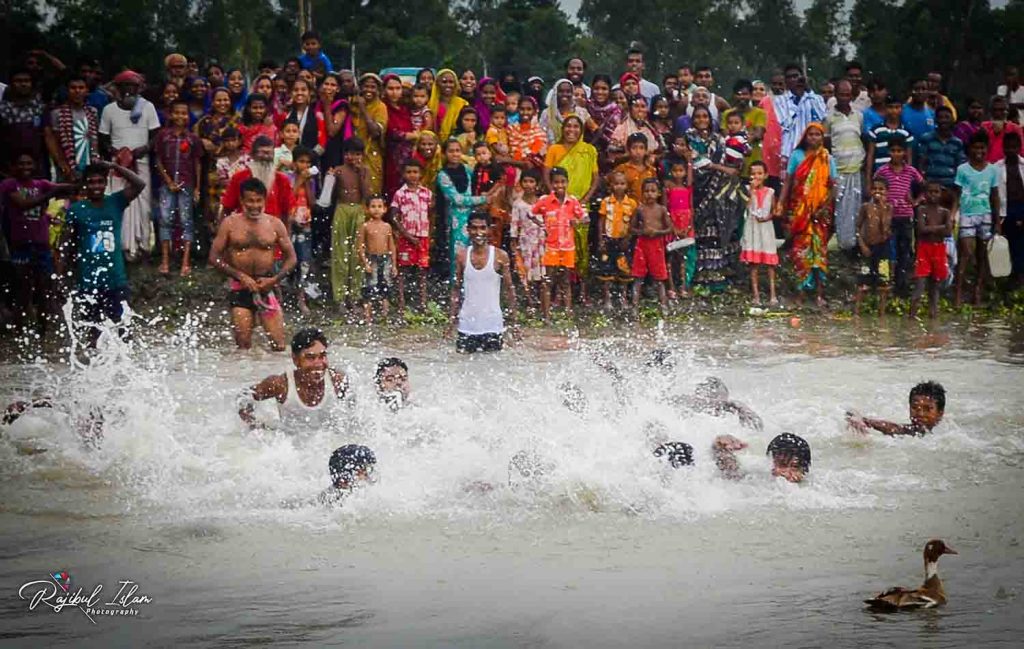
(481, 271)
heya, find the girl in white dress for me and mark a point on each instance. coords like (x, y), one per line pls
(759, 247)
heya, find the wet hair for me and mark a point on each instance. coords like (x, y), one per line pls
(712, 388)
(304, 339)
(790, 445)
(353, 145)
(253, 185)
(261, 142)
(636, 138)
(384, 364)
(678, 454)
(348, 459)
(558, 171)
(304, 152)
(933, 391)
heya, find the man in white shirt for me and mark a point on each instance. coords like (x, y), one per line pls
(127, 129)
(1012, 89)
(635, 64)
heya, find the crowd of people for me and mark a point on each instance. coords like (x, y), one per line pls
(309, 184)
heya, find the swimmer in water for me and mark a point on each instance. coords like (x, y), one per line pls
(304, 395)
(392, 380)
(791, 456)
(927, 406)
(711, 397)
(90, 428)
(351, 466)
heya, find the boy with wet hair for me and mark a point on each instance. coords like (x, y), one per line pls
(392, 381)
(791, 457)
(927, 407)
(350, 466)
(874, 227)
(934, 224)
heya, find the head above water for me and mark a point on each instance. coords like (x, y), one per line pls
(392, 380)
(309, 350)
(712, 388)
(678, 454)
(350, 465)
(791, 457)
(927, 404)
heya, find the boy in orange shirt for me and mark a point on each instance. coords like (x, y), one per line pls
(636, 169)
(616, 213)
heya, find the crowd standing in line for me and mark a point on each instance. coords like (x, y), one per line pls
(305, 182)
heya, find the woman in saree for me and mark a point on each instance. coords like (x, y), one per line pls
(635, 122)
(370, 122)
(579, 159)
(333, 112)
(400, 136)
(455, 201)
(809, 195)
(605, 113)
(719, 200)
(563, 105)
(445, 103)
(210, 131)
(488, 95)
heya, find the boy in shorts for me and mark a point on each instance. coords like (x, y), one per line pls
(616, 214)
(934, 224)
(651, 224)
(410, 214)
(376, 245)
(874, 227)
(977, 203)
(561, 212)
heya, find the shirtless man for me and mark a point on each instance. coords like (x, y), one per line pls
(351, 190)
(244, 250)
(301, 394)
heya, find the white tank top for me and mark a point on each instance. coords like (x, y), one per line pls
(481, 298)
(294, 412)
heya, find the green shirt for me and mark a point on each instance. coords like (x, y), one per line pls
(98, 233)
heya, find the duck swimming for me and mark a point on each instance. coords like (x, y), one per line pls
(929, 595)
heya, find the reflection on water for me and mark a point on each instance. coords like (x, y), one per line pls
(607, 548)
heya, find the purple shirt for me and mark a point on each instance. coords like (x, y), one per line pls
(900, 185)
(31, 226)
(178, 153)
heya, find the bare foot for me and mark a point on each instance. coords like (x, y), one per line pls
(186, 271)
(164, 269)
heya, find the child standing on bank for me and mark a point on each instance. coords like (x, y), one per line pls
(682, 260)
(874, 227)
(527, 242)
(904, 185)
(377, 256)
(178, 160)
(615, 216)
(230, 161)
(934, 224)
(978, 204)
(561, 212)
(759, 247)
(410, 209)
(301, 219)
(651, 224)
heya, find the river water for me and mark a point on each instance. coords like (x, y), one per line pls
(609, 548)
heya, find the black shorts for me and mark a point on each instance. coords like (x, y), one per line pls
(107, 303)
(615, 264)
(873, 278)
(472, 343)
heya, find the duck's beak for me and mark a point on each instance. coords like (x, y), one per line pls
(950, 550)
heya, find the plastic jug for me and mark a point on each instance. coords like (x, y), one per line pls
(999, 256)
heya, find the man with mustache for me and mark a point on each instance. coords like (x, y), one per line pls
(261, 167)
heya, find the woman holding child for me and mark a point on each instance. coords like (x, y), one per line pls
(635, 122)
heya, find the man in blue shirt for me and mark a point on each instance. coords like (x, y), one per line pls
(939, 153)
(918, 117)
(93, 235)
(312, 54)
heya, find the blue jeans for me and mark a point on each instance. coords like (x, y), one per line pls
(302, 241)
(175, 207)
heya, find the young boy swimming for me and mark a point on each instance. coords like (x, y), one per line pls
(350, 466)
(927, 406)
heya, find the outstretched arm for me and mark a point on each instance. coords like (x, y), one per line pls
(272, 387)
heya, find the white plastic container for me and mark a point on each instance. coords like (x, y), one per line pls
(999, 256)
